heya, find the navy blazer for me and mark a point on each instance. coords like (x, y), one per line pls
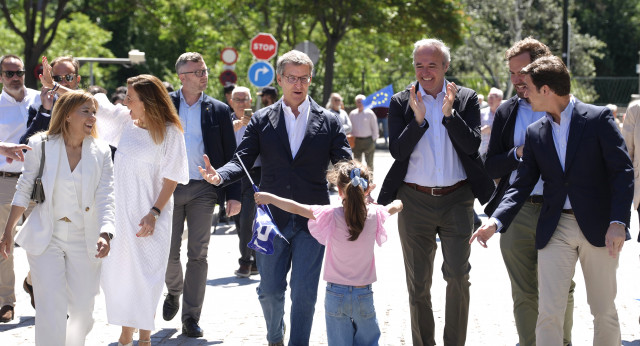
(301, 178)
(218, 137)
(463, 128)
(598, 176)
(500, 161)
(37, 121)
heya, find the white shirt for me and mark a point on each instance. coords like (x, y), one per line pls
(13, 122)
(191, 119)
(296, 127)
(364, 124)
(526, 116)
(67, 191)
(561, 136)
(434, 161)
(486, 118)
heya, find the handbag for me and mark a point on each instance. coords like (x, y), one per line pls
(37, 195)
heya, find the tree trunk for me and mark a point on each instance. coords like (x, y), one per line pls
(329, 60)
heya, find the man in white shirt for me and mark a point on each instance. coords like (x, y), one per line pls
(15, 100)
(295, 139)
(364, 127)
(434, 132)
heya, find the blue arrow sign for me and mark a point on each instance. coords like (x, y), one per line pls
(261, 74)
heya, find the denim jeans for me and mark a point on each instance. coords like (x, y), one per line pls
(385, 127)
(350, 316)
(303, 255)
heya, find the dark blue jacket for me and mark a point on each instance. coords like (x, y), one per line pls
(301, 178)
(598, 176)
(217, 134)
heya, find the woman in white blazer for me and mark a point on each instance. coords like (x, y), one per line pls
(68, 234)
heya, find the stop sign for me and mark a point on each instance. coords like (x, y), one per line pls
(264, 46)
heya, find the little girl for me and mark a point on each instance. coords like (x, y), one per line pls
(349, 232)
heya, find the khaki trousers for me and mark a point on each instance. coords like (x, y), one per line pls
(518, 247)
(7, 276)
(450, 218)
(556, 267)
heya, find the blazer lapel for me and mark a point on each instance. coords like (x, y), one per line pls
(313, 125)
(408, 112)
(276, 118)
(578, 121)
(546, 137)
(54, 147)
(88, 170)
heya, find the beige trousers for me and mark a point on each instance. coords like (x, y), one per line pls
(556, 267)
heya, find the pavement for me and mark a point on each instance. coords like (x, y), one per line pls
(232, 313)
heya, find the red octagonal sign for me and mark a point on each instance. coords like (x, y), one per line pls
(264, 46)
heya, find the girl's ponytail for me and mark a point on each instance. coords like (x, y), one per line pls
(353, 180)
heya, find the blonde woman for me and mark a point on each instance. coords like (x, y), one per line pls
(67, 235)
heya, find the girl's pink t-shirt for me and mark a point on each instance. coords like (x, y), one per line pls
(347, 262)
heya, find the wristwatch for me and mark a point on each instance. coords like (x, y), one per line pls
(155, 212)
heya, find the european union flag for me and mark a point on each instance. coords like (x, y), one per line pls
(380, 98)
(264, 230)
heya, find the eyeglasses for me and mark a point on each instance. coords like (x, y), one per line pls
(293, 79)
(69, 77)
(198, 73)
(10, 74)
(241, 100)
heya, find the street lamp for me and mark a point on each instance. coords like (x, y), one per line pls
(136, 57)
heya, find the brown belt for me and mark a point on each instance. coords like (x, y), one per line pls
(9, 174)
(535, 199)
(437, 191)
(65, 219)
(568, 211)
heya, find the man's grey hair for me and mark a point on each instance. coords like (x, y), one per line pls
(432, 42)
(360, 97)
(295, 57)
(496, 91)
(186, 57)
(9, 56)
(241, 89)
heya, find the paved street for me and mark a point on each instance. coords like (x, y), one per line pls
(232, 314)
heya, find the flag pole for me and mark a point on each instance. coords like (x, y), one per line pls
(245, 169)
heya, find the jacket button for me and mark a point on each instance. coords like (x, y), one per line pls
(86, 209)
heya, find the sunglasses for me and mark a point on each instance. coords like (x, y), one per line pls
(69, 77)
(10, 74)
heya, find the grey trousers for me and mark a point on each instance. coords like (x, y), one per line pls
(450, 218)
(518, 247)
(367, 147)
(194, 202)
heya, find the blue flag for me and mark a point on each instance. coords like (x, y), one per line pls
(380, 98)
(264, 230)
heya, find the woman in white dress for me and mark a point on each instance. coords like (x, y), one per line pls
(68, 234)
(149, 162)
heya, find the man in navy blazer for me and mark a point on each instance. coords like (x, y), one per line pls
(207, 130)
(434, 139)
(580, 154)
(295, 139)
(504, 155)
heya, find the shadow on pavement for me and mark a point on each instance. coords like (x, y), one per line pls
(231, 281)
(25, 321)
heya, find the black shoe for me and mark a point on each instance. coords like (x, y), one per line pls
(170, 307)
(29, 289)
(191, 328)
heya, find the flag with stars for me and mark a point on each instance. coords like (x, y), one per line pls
(380, 98)
(264, 231)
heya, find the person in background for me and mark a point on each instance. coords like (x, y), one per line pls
(241, 100)
(365, 130)
(268, 96)
(15, 101)
(486, 118)
(335, 106)
(96, 89)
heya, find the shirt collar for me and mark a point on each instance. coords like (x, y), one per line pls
(443, 91)
(301, 108)
(565, 115)
(185, 102)
(522, 102)
(5, 96)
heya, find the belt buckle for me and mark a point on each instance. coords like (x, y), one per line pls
(435, 194)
